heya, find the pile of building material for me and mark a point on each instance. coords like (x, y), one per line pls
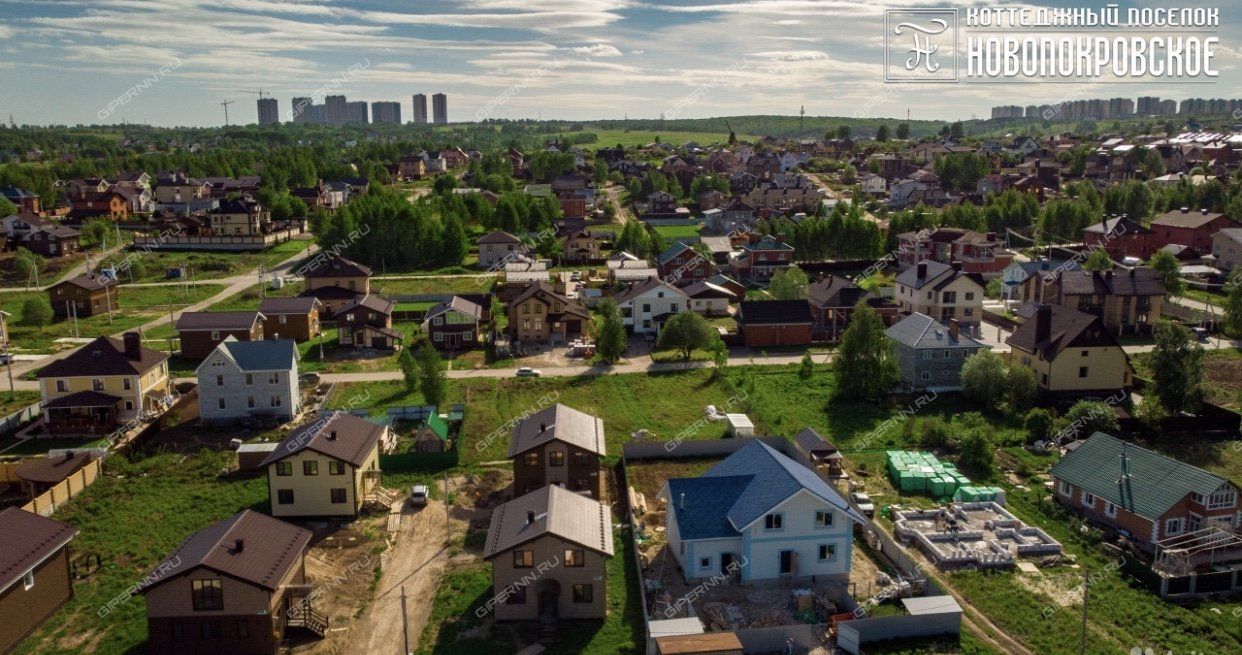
(919, 472)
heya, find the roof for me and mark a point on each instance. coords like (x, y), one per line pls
(642, 288)
(835, 291)
(922, 331)
(338, 267)
(1188, 218)
(103, 356)
(269, 548)
(1155, 484)
(812, 442)
(558, 512)
(704, 289)
(741, 489)
(768, 242)
(707, 642)
(558, 423)
(1134, 282)
(330, 293)
(53, 469)
(191, 321)
(458, 304)
(264, 355)
(763, 312)
(935, 271)
(1118, 225)
(717, 244)
(83, 399)
(26, 539)
(1069, 327)
(339, 435)
(89, 282)
(499, 237)
(294, 305)
(372, 302)
(676, 249)
(1231, 233)
(535, 288)
(927, 605)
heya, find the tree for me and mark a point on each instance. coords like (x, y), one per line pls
(720, 357)
(1166, 264)
(807, 369)
(409, 370)
(983, 379)
(453, 241)
(1177, 368)
(865, 358)
(94, 232)
(7, 208)
(1233, 305)
(1098, 260)
(1087, 417)
(36, 313)
(27, 264)
(789, 283)
(881, 133)
(612, 338)
(444, 184)
(1149, 412)
(1038, 424)
(976, 453)
(903, 131)
(686, 332)
(1021, 388)
(432, 379)
(843, 132)
(601, 172)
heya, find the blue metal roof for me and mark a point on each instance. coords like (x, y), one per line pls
(272, 355)
(702, 513)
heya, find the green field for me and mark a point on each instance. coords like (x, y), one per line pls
(203, 265)
(16, 401)
(670, 232)
(421, 285)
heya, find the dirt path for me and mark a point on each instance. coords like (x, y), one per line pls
(415, 563)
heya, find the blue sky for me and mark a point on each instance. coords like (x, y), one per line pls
(173, 61)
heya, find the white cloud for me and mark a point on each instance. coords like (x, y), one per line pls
(598, 50)
(5, 31)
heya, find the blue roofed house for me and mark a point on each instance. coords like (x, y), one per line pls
(249, 380)
(762, 516)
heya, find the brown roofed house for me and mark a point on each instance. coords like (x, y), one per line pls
(367, 323)
(34, 572)
(456, 324)
(103, 384)
(335, 281)
(1127, 301)
(1193, 229)
(558, 445)
(83, 296)
(53, 241)
(327, 467)
(539, 314)
(291, 318)
(1070, 351)
(201, 332)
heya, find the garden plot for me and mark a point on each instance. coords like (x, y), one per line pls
(977, 535)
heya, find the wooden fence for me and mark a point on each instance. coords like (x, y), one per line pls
(47, 502)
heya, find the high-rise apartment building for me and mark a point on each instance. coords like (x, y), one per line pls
(386, 112)
(439, 108)
(420, 108)
(269, 114)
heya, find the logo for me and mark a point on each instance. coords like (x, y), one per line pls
(920, 45)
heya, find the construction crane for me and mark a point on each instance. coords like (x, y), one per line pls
(260, 92)
(226, 104)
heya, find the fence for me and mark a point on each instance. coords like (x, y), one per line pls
(16, 420)
(47, 502)
(697, 448)
(220, 243)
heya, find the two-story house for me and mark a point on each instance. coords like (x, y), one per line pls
(759, 516)
(201, 332)
(456, 324)
(1127, 301)
(538, 314)
(1015, 275)
(239, 217)
(290, 318)
(930, 355)
(367, 323)
(1227, 248)
(104, 384)
(236, 586)
(249, 380)
(326, 468)
(645, 306)
(1070, 352)
(1193, 229)
(562, 541)
(497, 248)
(832, 302)
(1121, 237)
(681, 261)
(34, 572)
(943, 292)
(83, 296)
(561, 446)
(761, 259)
(53, 241)
(976, 252)
(579, 247)
(335, 281)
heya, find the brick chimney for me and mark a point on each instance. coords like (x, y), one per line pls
(922, 270)
(133, 345)
(954, 328)
(1043, 323)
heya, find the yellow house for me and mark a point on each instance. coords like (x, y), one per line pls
(104, 384)
(326, 468)
(942, 292)
(1070, 351)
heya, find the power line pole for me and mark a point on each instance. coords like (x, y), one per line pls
(1082, 647)
(405, 624)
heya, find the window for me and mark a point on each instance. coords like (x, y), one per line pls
(1110, 510)
(1222, 499)
(523, 559)
(127, 384)
(970, 295)
(824, 519)
(207, 595)
(467, 335)
(310, 467)
(926, 375)
(580, 458)
(1173, 526)
(215, 335)
(219, 380)
(275, 401)
(284, 319)
(209, 629)
(950, 296)
(1065, 488)
(62, 386)
(532, 458)
(574, 557)
(948, 354)
(222, 404)
(336, 467)
(926, 354)
(177, 631)
(584, 593)
(97, 384)
(1082, 371)
(28, 580)
(1088, 499)
(774, 522)
(705, 562)
(284, 496)
(827, 552)
(556, 458)
(284, 468)
(338, 496)
(968, 311)
(439, 336)
(274, 378)
(1084, 353)
(250, 402)
(517, 596)
(243, 628)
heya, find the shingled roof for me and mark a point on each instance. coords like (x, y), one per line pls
(1063, 328)
(338, 267)
(551, 510)
(339, 435)
(1132, 282)
(558, 423)
(202, 321)
(103, 356)
(26, 539)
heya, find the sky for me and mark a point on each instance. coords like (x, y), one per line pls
(172, 62)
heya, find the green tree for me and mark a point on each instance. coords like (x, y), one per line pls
(977, 453)
(789, 283)
(444, 184)
(1098, 260)
(1166, 264)
(1233, 306)
(1087, 417)
(720, 357)
(881, 133)
(36, 313)
(409, 370)
(453, 241)
(7, 208)
(612, 338)
(432, 379)
(601, 172)
(1038, 423)
(685, 333)
(983, 379)
(807, 369)
(865, 358)
(93, 232)
(1021, 388)
(1177, 368)
(903, 131)
(843, 132)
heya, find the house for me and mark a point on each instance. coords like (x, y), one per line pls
(1191, 229)
(681, 261)
(709, 299)
(1121, 237)
(629, 271)
(83, 296)
(976, 252)
(456, 324)
(558, 446)
(579, 247)
(931, 355)
(37, 475)
(497, 248)
(1142, 494)
(943, 292)
(290, 318)
(775, 322)
(335, 281)
(249, 380)
(34, 572)
(367, 323)
(872, 184)
(239, 217)
(25, 201)
(819, 453)
(550, 524)
(236, 586)
(17, 226)
(761, 259)
(103, 384)
(762, 514)
(201, 332)
(1015, 275)
(1070, 352)
(1128, 301)
(176, 189)
(832, 302)
(1227, 248)
(52, 241)
(719, 247)
(326, 468)
(661, 203)
(645, 306)
(520, 274)
(538, 314)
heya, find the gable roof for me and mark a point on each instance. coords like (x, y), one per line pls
(338, 267)
(103, 356)
(1155, 484)
(642, 288)
(265, 355)
(922, 331)
(934, 272)
(457, 304)
(835, 291)
(339, 435)
(1189, 218)
(498, 236)
(1134, 282)
(1117, 226)
(704, 289)
(369, 301)
(193, 321)
(88, 282)
(558, 423)
(269, 548)
(26, 539)
(767, 312)
(676, 249)
(813, 442)
(556, 511)
(294, 305)
(1067, 327)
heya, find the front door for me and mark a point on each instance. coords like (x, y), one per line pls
(452, 340)
(788, 559)
(726, 564)
(548, 610)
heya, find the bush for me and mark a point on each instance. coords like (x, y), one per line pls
(933, 433)
(36, 313)
(1087, 417)
(1038, 424)
(983, 379)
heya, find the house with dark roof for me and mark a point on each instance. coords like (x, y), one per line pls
(456, 323)
(681, 261)
(1121, 237)
(558, 445)
(104, 384)
(930, 355)
(775, 322)
(646, 305)
(52, 241)
(249, 381)
(237, 586)
(290, 318)
(977, 252)
(38, 474)
(1070, 352)
(833, 300)
(83, 296)
(335, 281)
(759, 516)
(367, 323)
(496, 248)
(1128, 301)
(328, 467)
(1142, 494)
(818, 452)
(943, 292)
(34, 572)
(25, 201)
(1193, 229)
(709, 299)
(1016, 274)
(761, 259)
(538, 314)
(549, 551)
(239, 217)
(201, 332)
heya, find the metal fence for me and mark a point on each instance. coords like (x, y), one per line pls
(16, 420)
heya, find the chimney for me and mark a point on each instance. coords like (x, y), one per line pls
(1132, 271)
(332, 436)
(1185, 209)
(954, 328)
(239, 545)
(133, 345)
(1043, 323)
(681, 500)
(922, 270)
(543, 427)
(1203, 211)
(957, 266)
(530, 517)
(991, 236)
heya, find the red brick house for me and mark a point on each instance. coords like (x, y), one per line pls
(682, 262)
(775, 323)
(977, 252)
(1193, 229)
(1122, 237)
(761, 259)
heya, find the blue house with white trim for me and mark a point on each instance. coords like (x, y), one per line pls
(759, 516)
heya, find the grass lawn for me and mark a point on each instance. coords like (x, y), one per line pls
(414, 286)
(1222, 375)
(138, 305)
(670, 232)
(16, 401)
(42, 445)
(206, 265)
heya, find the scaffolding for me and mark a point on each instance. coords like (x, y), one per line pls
(1181, 554)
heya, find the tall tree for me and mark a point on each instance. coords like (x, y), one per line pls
(1177, 368)
(789, 283)
(1166, 264)
(612, 338)
(433, 381)
(409, 370)
(685, 333)
(1233, 305)
(865, 365)
(983, 379)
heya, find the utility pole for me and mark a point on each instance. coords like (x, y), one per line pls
(405, 624)
(9, 365)
(1086, 580)
(448, 526)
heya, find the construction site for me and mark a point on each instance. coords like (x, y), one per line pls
(1200, 563)
(976, 535)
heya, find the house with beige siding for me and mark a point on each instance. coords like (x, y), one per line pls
(549, 551)
(104, 384)
(1070, 352)
(1127, 301)
(326, 468)
(943, 292)
(561, 446)
(34, 572)
(335, 281)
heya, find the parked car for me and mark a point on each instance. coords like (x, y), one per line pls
(863, 501)
(418, 495)
(1201, 333)
(528, 372)
(5, 358)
